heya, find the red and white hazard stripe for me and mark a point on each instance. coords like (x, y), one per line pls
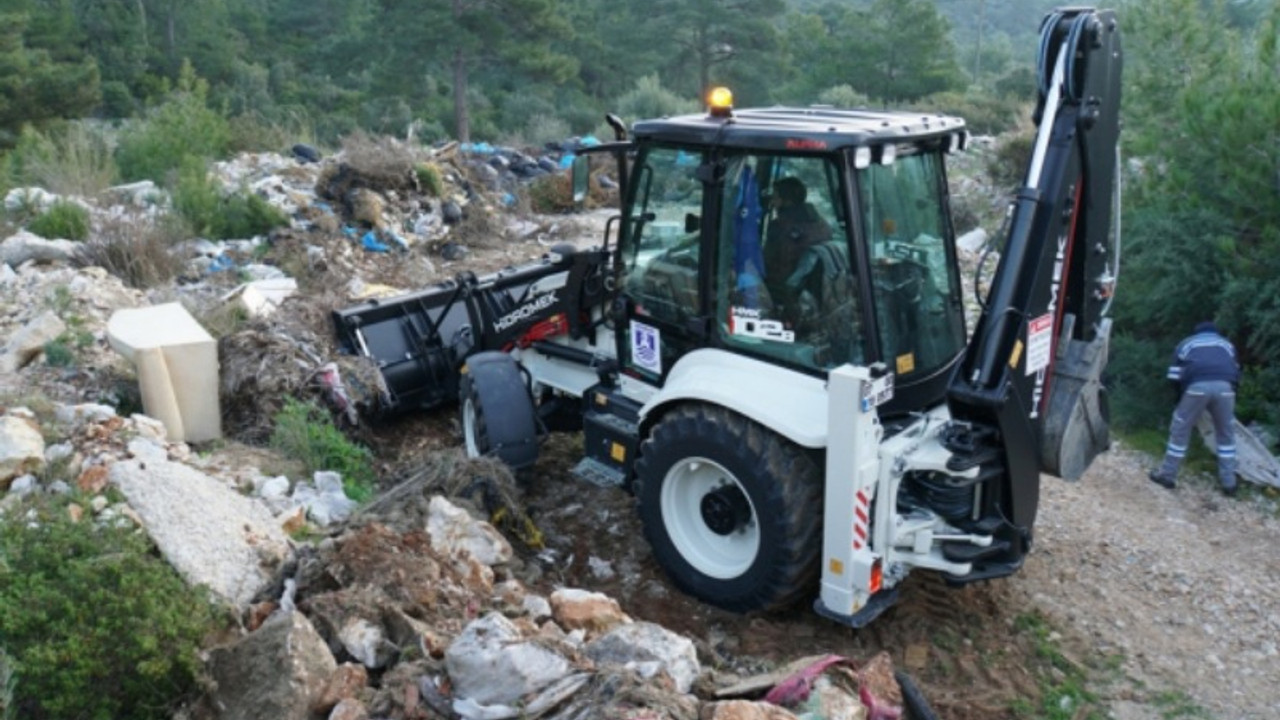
(861, 518)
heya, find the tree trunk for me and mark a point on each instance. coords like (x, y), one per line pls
(461, 119)
(142, 21)
(171, 36)
(704, 64)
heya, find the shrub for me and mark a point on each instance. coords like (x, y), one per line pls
(200, 202)
(181, 127)
(306, 433)
(97, 625)
(1010, 159)
(63, 219)
(983, 113)
(136, 250)
(542, 129)
(57, 353)
(245, 215)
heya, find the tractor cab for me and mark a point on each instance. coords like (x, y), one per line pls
(804, 237)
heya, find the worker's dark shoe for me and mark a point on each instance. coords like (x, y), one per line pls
(1161, 480)
(1230, 491)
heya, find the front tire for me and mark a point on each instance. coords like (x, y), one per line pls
(497, 413)
(732, 510)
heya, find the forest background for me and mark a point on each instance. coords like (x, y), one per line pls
(122, 90)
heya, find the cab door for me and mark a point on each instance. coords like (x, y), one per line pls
(663, 284)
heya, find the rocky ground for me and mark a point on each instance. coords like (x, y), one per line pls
(1167, 602)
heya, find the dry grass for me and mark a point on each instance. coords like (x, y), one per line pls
(134, 249)
(76, 161)
(381, 163)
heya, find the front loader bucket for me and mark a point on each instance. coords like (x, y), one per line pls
(420, 340)
(417, 342)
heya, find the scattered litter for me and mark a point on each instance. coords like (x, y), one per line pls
(371, 242)
(221, 263)
(602, 569)
(262, 297)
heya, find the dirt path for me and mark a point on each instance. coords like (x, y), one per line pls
(1168, 601)
(1184, 585)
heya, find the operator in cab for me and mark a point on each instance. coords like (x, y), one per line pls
(795, 227)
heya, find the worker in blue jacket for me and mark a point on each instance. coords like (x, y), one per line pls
(1206, 372)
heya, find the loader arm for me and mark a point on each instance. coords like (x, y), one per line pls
(1028, 393)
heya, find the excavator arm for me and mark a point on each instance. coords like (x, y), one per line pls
(1028, 394)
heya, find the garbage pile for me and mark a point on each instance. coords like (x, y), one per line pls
(409, 608)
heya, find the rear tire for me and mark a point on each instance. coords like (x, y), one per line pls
(497, 413)
(732, 510)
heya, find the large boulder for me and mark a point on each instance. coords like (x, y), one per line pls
(648, 649)
(24, 246)
(281, 671)
(21, 448)
(453, 532)
(211, 534)
(26, 344)
(492, 664)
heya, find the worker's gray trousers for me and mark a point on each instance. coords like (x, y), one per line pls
(1219, 398)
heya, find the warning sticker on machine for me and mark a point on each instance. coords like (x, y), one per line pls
(1039, 343)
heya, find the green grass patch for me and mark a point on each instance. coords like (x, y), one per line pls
(430, 179)
(1200, 459)
(1176, 704)
(306, 433)
(1064, 689)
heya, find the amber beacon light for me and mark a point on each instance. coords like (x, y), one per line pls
(720, 100)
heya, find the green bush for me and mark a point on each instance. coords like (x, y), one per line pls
(181, 127)
(200, 202)
(97, 626)
(648, 99)
(1140, 396)
(63, 220)
(983, 113)
(306, 433)
(843, 96)
(1009, 162)
(245, 215)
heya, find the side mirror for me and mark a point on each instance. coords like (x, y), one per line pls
(692, 223)
(581, 179)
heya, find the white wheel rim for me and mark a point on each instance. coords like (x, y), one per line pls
(469, 428)
(722, 557)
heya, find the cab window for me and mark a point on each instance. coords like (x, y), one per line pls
(915, 290)
(785, 286)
